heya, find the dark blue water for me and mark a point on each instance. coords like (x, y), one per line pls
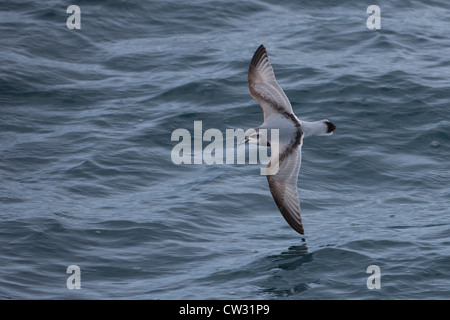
(87, 179)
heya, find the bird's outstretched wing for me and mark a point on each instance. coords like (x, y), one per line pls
(283, 186)
(263, 86)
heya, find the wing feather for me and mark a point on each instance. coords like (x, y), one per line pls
(283, 186)
(263, 86)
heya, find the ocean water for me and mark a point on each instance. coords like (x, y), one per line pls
(87, 178)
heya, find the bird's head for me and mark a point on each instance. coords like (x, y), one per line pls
(250, 136)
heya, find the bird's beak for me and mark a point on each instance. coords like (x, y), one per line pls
(243, 141)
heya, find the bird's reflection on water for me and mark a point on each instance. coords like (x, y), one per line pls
(286, 279)
(293, 257)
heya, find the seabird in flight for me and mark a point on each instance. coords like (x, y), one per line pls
(278, 114)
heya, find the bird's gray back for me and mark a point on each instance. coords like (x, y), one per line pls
(287, 129)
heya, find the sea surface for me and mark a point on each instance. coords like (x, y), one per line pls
(87, 176)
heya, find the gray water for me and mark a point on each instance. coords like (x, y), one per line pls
(87, 179)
